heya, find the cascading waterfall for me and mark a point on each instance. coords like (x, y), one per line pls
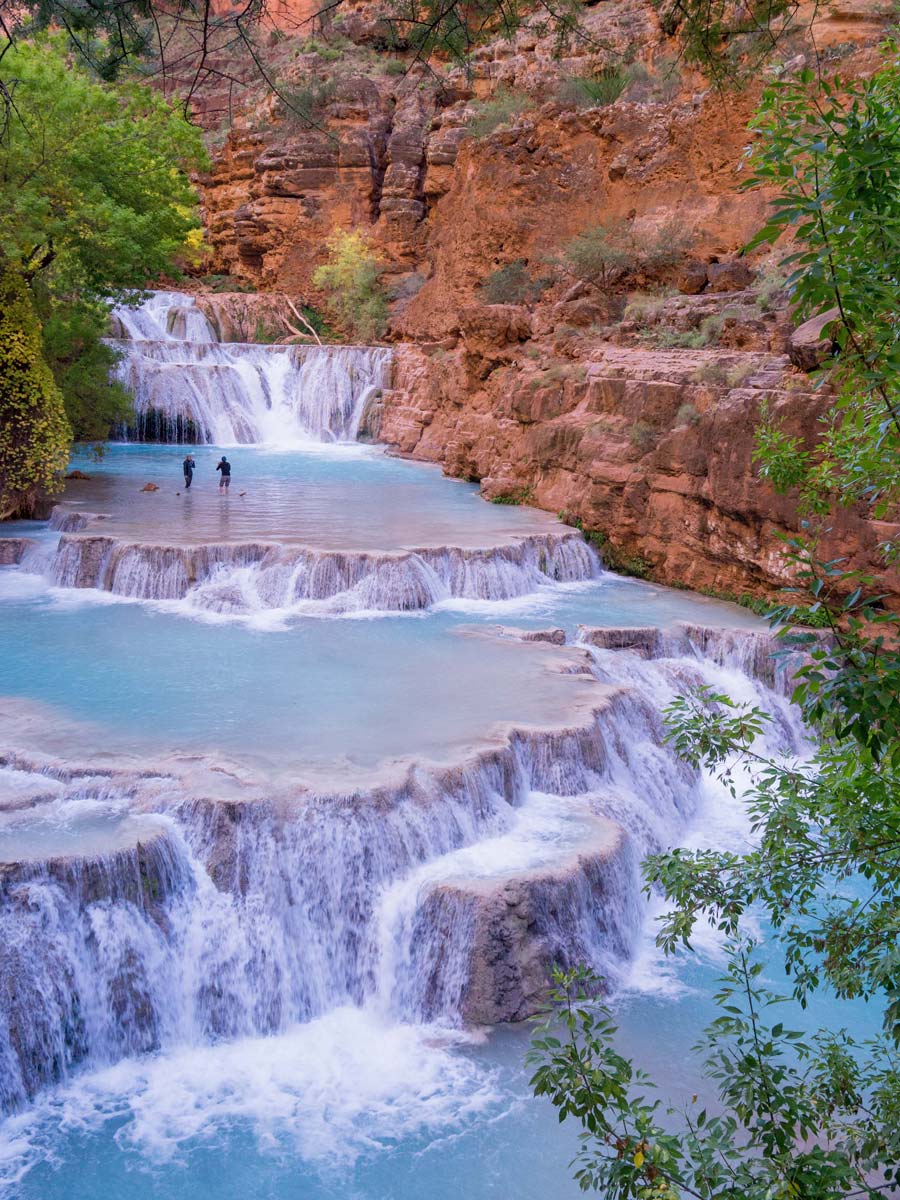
(188, 386)
(253, 578)
(444, 897)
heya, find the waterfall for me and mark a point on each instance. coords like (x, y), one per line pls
(188, 386)
(444, 896)
(248, 578)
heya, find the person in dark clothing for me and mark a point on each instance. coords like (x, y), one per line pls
(188, 467)
(224, 466)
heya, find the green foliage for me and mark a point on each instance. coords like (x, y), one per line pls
(513, 284)
(832, 149)
(81, 363)
(608, 256)
(596, 91)
(321, 50)
(799, 1117)
(522, 495)
(394, 66)
(642, 436)
(502, 108)
(687, 415)
(350, 279)
(93, 182)
(614, 558)
(34, 433)
(305, 103)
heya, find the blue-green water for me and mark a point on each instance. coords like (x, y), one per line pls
(348, 1106)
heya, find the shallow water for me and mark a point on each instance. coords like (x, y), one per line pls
(359, 1101)
(331, 497)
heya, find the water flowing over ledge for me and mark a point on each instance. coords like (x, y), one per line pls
(437, 894)
(249, 578)
(190, 387)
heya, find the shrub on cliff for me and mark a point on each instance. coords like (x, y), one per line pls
(598, 90)
(350, 279)
(34, 433)
(305, 102)
(504, 106)
(513, 284)
(609, 256)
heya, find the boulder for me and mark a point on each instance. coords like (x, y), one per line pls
(731, 276)
(691, 278)
(809, 346)
(643, 640)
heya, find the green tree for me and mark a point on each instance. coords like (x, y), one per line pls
(797, 1114)
(93, 177)
(81, 363)
(34, 433)
(350, 279)
(96, 200)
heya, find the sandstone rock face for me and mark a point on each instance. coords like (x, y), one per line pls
(636, 419)
(606, 442)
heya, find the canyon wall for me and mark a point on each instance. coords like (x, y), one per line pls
(626, 403)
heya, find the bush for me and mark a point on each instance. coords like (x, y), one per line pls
(81, 363)
(306, 102)
(502, 108)
(615, 559)
(599, 255)
(607, 255)
(394, 66)
(595, 91)
(512, 284)
(34, 432)
(687, 415)
(771, 291)
(689, 339)
(642, 436)
(644, 307)
(350, 280)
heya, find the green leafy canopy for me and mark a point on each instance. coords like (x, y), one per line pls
(93, 176)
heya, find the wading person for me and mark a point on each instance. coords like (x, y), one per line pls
(188, 466)
(224, 466)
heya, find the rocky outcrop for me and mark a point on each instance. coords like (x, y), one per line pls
(12, 549)
(653, 449)
(501, 939)
(563, 395)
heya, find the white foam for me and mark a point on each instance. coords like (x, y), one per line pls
(345, 1085)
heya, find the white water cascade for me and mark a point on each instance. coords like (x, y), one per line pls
(188, 386)
(443, 897)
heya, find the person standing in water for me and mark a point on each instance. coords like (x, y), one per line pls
(188, 466)
(224, 466)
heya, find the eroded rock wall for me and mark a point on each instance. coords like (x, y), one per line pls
(581, 397)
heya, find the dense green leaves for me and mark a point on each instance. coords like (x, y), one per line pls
(96, 201)
(93, 179)
(832, 150)
(34, 434)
